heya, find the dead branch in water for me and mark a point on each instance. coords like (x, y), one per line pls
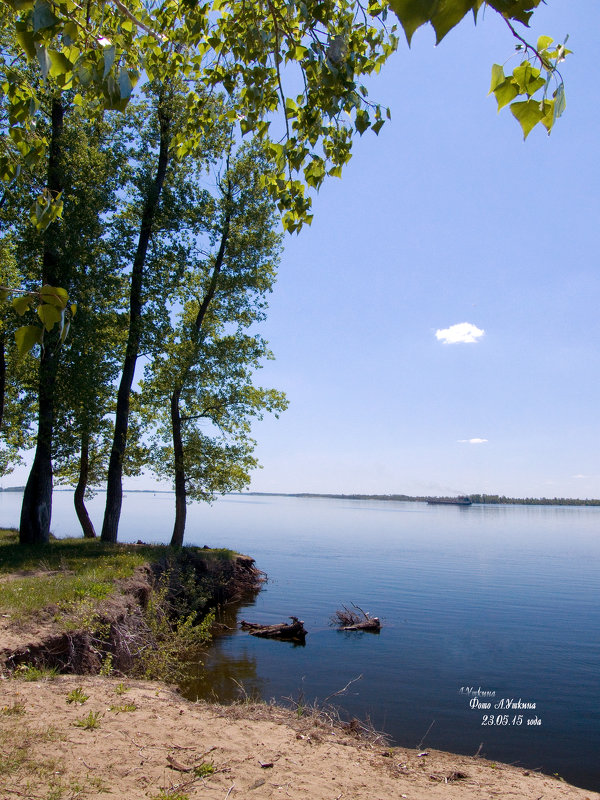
(347, 620)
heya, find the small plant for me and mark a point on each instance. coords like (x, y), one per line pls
(90, 722)
(27, 672)
(204, 770)
(107, 665)
(120, 689)
(77, 696)
(125, 707)
(16, 709)
(165, 794)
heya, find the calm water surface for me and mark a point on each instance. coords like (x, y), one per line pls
(498, 598)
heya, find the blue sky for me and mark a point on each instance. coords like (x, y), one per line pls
(448, 217)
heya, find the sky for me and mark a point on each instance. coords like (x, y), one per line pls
(436, 329)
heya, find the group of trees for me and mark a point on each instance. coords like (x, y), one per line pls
(148, 154)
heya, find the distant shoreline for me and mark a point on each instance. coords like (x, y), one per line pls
(476, 499)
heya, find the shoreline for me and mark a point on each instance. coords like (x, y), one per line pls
(149, 742)
(373, 771)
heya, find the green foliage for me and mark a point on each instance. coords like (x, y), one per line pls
(124, 708)
(171, 641)
(69, 573)
(91, 722)
(77, 696)
(28, 672)
(444, 16)
(15, 709)
(204, 770)
(528, 81)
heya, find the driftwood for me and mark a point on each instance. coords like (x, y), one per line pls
(348, 620)
(293, 631)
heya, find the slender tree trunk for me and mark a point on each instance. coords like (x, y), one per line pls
(36, 511)
(179, 466)
(2, 376)
(114, 486)
(178, 450)
(79, 498)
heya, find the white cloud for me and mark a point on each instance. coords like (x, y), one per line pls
(473, 441)
(462, 332)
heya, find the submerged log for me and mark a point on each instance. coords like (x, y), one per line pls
(347, 620)
(291, 631)
(371, 624)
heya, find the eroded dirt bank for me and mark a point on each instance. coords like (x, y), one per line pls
(80, 641)
(144, 741)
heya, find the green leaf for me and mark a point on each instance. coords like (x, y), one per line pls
(49, 315)
(498, 77)
(25, 39)
(521, 10)
(43, 16)
(65, 331)
(528, 78)
(560, 102)
(528, 114)
(60, 64)
(27, 337)
(22, 303)
(125, 85)
(448, 14)
(54, 296)
(4, 294)
(506, 92)
(443, 14)
(362, 121)
(413, 13)
(547, 107)
(43, 59)
(543, 43)
(109, 59)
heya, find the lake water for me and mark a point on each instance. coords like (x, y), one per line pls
(500, 599)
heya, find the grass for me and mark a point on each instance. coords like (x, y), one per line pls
(89, 723)
(27, 770)
(14, 710)
(124, 707)
(28, 672)
(68, 572)
(64, 572)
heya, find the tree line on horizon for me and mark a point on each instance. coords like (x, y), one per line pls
(150, 156)
(484, 499)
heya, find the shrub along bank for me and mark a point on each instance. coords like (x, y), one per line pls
(84, 606)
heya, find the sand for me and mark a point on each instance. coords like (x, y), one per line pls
(162, 745)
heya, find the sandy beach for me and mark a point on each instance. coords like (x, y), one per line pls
(136, 739)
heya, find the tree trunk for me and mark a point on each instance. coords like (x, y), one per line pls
(2, 376)
(36, 512)
(79, 498)
(179, 466)
(114, 486)
(178, 451)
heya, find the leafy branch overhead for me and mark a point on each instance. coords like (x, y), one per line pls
(51, 304)
(527, 80)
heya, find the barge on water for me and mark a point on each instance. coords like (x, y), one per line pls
(449, 501)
